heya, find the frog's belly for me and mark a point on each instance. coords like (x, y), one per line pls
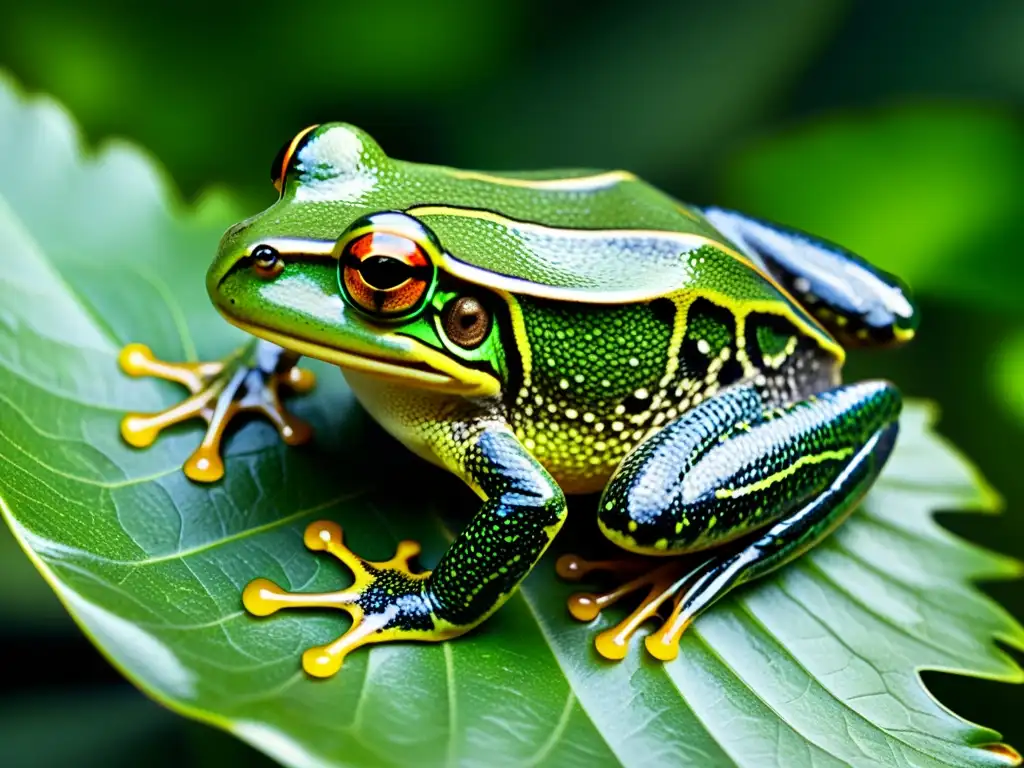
(579, 465)
(417, 418)
(426, 423)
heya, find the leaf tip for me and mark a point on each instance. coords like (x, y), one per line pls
(1008, 754)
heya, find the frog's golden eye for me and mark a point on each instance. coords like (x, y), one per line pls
(385, 274)
(283, 159)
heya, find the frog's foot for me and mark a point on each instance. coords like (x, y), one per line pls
(249, 381)
(386, 600)
(663, 583)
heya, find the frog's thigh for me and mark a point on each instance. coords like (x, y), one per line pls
(733, 465)
(726, 468)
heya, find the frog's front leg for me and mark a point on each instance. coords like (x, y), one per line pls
(522, 511)
(778, 480)
(247, 381)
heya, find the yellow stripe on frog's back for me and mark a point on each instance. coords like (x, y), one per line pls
(584, 183)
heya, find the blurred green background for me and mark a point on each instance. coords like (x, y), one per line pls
(894, 128)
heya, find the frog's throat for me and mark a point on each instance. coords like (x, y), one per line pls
(423, 368)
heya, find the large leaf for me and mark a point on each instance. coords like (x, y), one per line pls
(818, 665)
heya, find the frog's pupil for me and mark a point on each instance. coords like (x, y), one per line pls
(384, 272)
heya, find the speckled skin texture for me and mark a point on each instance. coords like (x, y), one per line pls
(626, 335)
(599, 383)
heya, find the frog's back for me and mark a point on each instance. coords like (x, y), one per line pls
(592, 381)
(628, 308)
(625, 306)
(604, 237)
(601, 236)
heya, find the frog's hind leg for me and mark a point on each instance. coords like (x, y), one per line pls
(784, 541)
(858, 303)
(771, 482)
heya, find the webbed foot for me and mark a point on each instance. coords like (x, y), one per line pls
(664, 583)
(247, 381)
(386, 600)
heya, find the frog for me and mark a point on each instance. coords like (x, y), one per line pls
(539, 335)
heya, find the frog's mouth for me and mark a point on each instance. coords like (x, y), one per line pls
(420, 366)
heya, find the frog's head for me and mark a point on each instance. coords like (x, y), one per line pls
(334, 270)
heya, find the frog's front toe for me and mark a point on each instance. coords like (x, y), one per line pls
(665, 584)
(248, 381)
(385, 600)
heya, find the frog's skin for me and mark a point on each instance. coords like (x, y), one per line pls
(549, 333)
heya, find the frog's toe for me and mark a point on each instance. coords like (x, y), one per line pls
(662, 583)
(247, 381)
(299, 380)
(663, 644)
(384, 600)
(138, 360)
(326, 536)
(263, 597)
(574, 567)
(326, 660)
(142, 429)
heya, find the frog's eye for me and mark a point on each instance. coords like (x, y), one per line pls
(283, 159)
(385, 274)
(466, 321)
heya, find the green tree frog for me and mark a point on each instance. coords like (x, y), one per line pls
(543, 334)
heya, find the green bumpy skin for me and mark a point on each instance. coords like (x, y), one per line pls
(549, 333)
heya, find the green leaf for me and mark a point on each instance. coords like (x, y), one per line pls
(931, 193)
(818, 665)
